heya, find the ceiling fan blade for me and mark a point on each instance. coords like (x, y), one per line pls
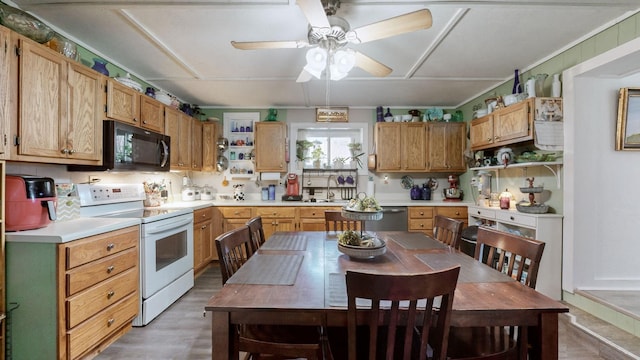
(314, 12)
(255, 45)
(413, 21)
(304, 76)
(371, 66)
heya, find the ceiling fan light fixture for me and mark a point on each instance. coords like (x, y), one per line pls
(344, 60)
(316, 61)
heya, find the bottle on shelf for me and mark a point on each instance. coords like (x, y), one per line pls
(556, 86)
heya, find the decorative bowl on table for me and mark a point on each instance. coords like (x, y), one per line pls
(357, 246)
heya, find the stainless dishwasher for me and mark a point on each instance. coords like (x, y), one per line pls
(394, 218)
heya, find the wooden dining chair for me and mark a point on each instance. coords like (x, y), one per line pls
(257, 233)
(335, 222)
(447, 230)
(234, 249)
(518, 257)
(407, 304)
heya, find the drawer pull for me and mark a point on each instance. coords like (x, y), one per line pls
(457, 212)
(314, 214)
(421, 213)
(110, 321)
(203, 227)
(511, 218)
(421, 225)
(110, 294)
(478, 212)
(111, 246)
(110, 269)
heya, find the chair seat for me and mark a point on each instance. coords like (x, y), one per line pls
(487, 343)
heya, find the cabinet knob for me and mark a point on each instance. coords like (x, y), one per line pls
(110, 246)
(72, 151)
(144, 122)
(478, 212)
(421, 213)
(110, 294)
(421, 225)
(64, 151)
(135, 120)
(313, 213)
(457, 212)
(511, 218)
(488, 139)
(110, 321)
(110, 269)
(203, 227)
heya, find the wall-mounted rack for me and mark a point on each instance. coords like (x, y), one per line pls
(321, 179)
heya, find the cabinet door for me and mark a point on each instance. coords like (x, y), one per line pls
(271, 225)
(414, 146)
(481, 132)
(270, 138)
(209, 148)
(151, 114)
(178, 127)
(86, 99)
(446, 147)
(196, 144)
(123, 103)
(43, 98)
(388, 137)
(5, 92)
(202, 237)
(513, 123)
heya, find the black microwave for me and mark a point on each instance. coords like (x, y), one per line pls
(130, 148)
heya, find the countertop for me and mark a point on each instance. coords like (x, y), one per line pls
(198, 204)
(64, 231)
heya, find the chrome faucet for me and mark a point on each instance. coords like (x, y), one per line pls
(330, 194)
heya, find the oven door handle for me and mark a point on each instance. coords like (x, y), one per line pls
(171, 226)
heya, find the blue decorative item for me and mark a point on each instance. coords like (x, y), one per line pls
(517, 88)
(100, 65)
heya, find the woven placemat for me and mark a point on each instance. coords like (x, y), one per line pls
(417, 241)
(285, 242)
(337, 295)
(471, 270)
(265, 269)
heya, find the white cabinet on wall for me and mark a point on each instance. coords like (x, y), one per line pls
(239, 129)
(543, 227)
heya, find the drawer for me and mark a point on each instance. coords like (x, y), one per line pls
(420, 212)
(517, 218)
(314, 212)
(90, 302)
(236, 212)
(482, 212)
(88, 275)
(420, 224)
(88, 334)
(454, 212)
(202, 215)
(95, 247)
(276, 212)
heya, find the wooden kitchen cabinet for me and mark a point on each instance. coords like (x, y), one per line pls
(311, 218)
(76, 297)
(130, 106)
(509, 125)
(269, 146)
(6, 110)
(401, 147)
(421, 219)
(234, 217)
(276, 218)
(202, 239)
(210, 133)
(59, 108)
(447, 142)
(178, 127)
(455, 212)
(196, 144)
(3, 305)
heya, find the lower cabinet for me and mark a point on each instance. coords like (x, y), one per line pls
(276, 218)
(234, 217)
(75, 298)
(202, 239)
(421, 217)
(312, 218)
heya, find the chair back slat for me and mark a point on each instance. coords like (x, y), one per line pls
(234, 249)
(518, 256)
(447, 230)
(402, 293)
(335, 222)
(257, 233)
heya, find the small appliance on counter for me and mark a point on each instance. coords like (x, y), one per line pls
(32, 201)
(453, 193)
(292, 192)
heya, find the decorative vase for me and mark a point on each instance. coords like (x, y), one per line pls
(517, 88)
(556, 86)
(100, 65)
(540, 79)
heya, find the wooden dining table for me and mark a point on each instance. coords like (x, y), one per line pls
(297, 278)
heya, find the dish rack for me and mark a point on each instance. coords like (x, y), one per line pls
(344, 180)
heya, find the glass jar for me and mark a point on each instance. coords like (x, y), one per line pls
(505, 200)
(265, 193)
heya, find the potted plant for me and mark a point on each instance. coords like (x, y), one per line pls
(302, 151)
(317, 154)
(338, 163)
(356, 153)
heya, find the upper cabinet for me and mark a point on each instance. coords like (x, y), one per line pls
(178, 127)
(5, 86)
(270, 139)
(196, 144)
(420, 147)
(210, 134)
(447, 142)
(504, 126)
(59, 118)
(130, 106)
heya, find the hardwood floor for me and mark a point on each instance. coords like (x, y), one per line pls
(182, 332)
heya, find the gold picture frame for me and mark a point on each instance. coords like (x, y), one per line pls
(338, 114)
(628, 123)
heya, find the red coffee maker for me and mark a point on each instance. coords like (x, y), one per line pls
(30, 202)
(292, 192)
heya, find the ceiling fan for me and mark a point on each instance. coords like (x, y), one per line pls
(329, 35)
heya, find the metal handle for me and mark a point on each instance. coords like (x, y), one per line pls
(165, 154)
(110, 321)
(110, 294)
(110, 269)
(395, 211)
(111, 246)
